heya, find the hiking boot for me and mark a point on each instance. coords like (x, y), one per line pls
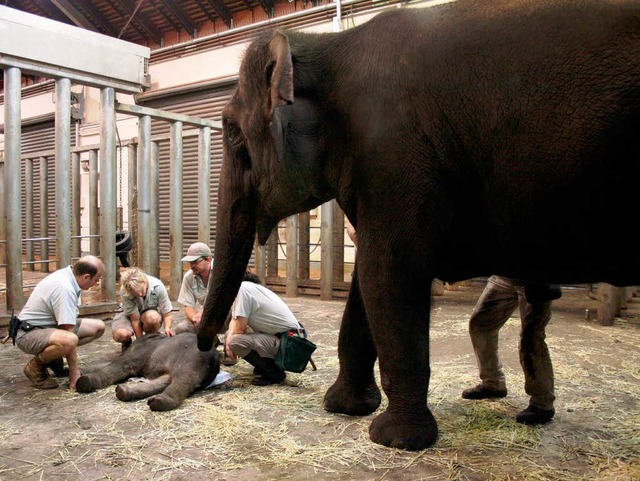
(483, 392)
(36, 372)
(58, 368)
(535, 415)
(270, 373)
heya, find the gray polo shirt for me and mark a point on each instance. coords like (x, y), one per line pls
(156, 298)
(265, 311)
(54, 301)
(193, 292)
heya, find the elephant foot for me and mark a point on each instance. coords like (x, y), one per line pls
(411, 432)
(360, 402)
(162, 402)
(84, 384)
(123, 394)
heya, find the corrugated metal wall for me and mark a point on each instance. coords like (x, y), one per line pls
(206, 104)
(37, 138)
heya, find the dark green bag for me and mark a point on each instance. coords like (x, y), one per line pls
(294, 352)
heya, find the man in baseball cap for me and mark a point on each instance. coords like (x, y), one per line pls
(195, 285)
(197, 251)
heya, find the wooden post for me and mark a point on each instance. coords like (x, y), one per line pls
(304, 263)
(608, 303)
(292, 256)
(272, 254)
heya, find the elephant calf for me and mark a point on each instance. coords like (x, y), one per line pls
(174, 366)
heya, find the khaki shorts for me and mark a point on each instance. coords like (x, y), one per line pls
(37, 340)
(121, 321)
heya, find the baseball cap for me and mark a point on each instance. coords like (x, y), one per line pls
(197, 250)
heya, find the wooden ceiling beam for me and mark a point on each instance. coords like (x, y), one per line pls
(267, 6)
(177, 12)
(75, 15)
(223, 11)
(99, 17)
(142, 21)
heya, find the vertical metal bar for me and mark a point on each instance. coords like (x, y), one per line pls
(28, 184)
(13, 204)
(292, 256)
(108, 191)
(3, 220)
(326, 251)
(44, 213)
(144, 194)
(204, 185)
(63, 172)
(175, 214)
(94, 215)
(154, 223)
(76, 247)
(132, 151)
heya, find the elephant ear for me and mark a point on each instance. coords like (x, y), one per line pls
(280, 68)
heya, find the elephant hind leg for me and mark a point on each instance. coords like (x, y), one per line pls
(176, 392)
(141, 390)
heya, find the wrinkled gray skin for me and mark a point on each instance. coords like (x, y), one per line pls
(463, 140)
(174, 366)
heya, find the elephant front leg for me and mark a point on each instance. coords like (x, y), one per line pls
(400, 325)
(355, 391)
(142, 390)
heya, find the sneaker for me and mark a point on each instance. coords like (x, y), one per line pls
(535, 415)
(36, 372)
(482, 392)
(58, 368)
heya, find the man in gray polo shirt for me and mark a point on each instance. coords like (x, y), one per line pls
(52, 311)
(194, 288)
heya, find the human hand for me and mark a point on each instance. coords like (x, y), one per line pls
(169, 332)
(228, 352)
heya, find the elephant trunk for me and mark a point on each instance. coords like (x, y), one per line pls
(235, 234)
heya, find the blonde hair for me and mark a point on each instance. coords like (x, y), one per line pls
(133, 280)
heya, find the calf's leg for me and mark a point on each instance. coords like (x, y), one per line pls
(141, 390)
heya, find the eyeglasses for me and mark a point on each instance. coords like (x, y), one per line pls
(196, 262)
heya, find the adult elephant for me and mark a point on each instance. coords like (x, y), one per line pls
(467, 139)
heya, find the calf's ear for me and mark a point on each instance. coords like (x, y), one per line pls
(279, 72)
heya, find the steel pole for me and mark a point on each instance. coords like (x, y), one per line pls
(12, 175)
(108, 191)
(204, 185)
(63, 172)
(144, 194)
(176, 239)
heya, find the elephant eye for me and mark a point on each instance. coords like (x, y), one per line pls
(234, 133)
